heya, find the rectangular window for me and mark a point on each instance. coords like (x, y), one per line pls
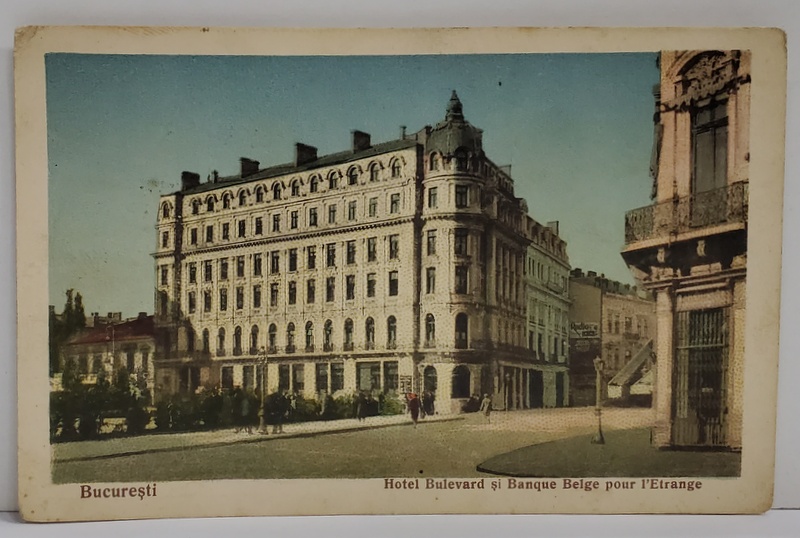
(373, 207)
(330, 288)
(311, 289)
(462, 274)
(273, 294)
(207, 301)
(274, 262)
(192, 302)
(257, 265)
(350, 287)
(248, 377)
(393, 283)
(223, 299)
(276, 223)
(283, 377)
(312, 216)
(337, 376)
(193, 236)
(351, 252)
(257, 296)
(240, 266)
(430, 280)
(351, 210)
(239, 298)
(209, 234)
(223, 269)
(371, 285)
(165, 239)
(312, 258)
(322, 377)
(394, 247)
(432, 197)
(293, 220)
(331, 214)
(394, 203)
(242, 228)
(460, 242)
(292, 259)
(330, 253)
(710, 148)
(431, 242)
(164, 275)
(259, 226)
(462, 196)
(226, 231)
(192, 273)
(227, 377)
(372, 249)
(207, 271)
(292, 292)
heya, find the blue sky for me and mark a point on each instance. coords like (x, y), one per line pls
(576, 128)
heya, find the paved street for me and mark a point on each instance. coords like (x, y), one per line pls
(440, 448)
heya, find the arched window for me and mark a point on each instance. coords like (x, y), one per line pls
(374, 170)
(313, 185)
(430, 330)
(391, 332)
(434, 162)
(226, 201)
(242, 198)
(195, 207)
(272, 336)
(206, 341)
(221, 341)
(348, 334)
(462, 328)
(254, 340)
(328, 335)
(237, 341)
(210, 204)
(290, 338)
(396, 168)
(165, 211)
(276, 191)
(352, 176)
(461, 379)
(369, 330)
(190, 339)
(309, 336)
(333, 180)
(295, 188)
(461, 159)
(430, 381)
(259, 194)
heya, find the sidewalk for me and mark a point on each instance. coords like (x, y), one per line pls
(625, 453)
(167, 442)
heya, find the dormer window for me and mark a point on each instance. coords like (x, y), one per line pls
(396, 168)
(352, 176)
(210, 204)
(276, 191)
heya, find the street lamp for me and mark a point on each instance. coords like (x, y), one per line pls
(262, 412)
(598, 438)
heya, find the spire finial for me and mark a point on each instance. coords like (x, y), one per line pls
(454, 108)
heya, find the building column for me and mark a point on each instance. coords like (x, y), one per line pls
(549, 388)
(311, 390)
(444, 390)
(272, 377)
(350, 383)
(475, 376)
(662, 387)
(735, 381)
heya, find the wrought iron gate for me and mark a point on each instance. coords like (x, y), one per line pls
(700, 378)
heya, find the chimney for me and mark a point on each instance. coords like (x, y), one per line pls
(591, 274)
(248, 166)
(142, 315)
(189, 180)
(360, 140)
(304, 154)
(403, 132)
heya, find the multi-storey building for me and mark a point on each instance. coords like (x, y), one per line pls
(610, 320)
(690, 245)
(545, 382)
(387, 267)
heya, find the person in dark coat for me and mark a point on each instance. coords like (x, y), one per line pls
(361, 406)
(413, 407)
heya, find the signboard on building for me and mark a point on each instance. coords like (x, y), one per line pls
(584, 330)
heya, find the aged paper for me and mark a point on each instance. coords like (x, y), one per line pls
(397, 271)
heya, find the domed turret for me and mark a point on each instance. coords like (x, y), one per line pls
(455, 132)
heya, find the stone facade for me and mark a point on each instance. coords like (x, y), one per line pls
(387, 268)
(690, 246)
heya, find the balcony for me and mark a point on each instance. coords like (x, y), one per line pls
(310, 348)
(290, 348)
(237, 351)
(726, 205)
(348, 346)
(272, 350)
(369, 345)
(430, 343)
(220, 353)
(391, 344)
(327, 347)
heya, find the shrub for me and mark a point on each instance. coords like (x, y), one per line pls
(392, 405)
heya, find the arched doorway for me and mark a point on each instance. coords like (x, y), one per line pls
(461, 381)
(429, 379)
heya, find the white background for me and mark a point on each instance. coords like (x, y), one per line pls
(409, 13)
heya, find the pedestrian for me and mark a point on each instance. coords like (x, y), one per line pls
(282, 405)
(486, 407)
(413, 407)
(245, 411)
(361, 407)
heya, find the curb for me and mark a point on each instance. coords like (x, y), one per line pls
(257, 438)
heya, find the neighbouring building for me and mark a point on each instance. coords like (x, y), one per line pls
(110, 347)
(545, 382)
(387, 268)
(689, 247)
(610, 320)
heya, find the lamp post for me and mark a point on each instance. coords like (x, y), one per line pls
(262, 411)
(598, 438)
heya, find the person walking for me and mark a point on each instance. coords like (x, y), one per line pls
(245, 413)
(414, 407)
(361, 407)
(486, 407)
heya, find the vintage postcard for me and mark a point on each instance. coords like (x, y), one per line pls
(291, 272)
